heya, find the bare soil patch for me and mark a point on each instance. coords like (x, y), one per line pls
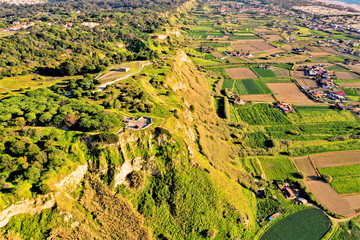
(335, 159)
(289, 93)
(253, 46)
(285, 59)
(273, 38)
(304, 165)
(320, 54)
(241, 73)
(329, 198)
(349, 84)
(346, 75)
(354, 201)
(322, 191)
(258, 98)
(217, 54)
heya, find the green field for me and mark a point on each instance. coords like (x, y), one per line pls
(251, 164)
(243, 36)
(263, 72)
(303, 225)
(251, 86)
(333, 58)
(346, 179)
(320, 114)
(278, 168)
(261, 114)
(228, 83)
(337, 68)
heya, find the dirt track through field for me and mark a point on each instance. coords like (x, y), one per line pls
(322, 191)
(336, 159)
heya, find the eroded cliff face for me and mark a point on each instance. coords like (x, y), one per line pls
(185, 149)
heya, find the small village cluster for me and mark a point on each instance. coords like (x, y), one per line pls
(326, 90)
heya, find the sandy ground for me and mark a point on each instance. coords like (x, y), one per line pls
(335, 159)
(272, 38)
(241, 73)
(258, 98)
(354, 201)
(289, 93)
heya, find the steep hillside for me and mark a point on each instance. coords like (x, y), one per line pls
(173, 180)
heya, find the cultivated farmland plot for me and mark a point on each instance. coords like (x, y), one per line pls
(281, 72)
(346, 75)
(310, 114)
(335, 159)
(303, 225)
(264, 72)
(251, 86)
(346, 179)
(278, 168)
(289, 93)
(261, 114)
(241, 73)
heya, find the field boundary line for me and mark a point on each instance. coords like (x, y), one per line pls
(297, 169)
(350, 194)
(313, 165)
(261, 169)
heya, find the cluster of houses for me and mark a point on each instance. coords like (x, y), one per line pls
(238, 54)
(321, 95)
(351, 62)
(291, 191)
(18, 27)
(237, 100)
(266, 66)
(284, 107)
(326, 91)
(206, 49)
(321, 75)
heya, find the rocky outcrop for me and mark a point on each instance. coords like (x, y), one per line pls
(73, 179)
(32, 206)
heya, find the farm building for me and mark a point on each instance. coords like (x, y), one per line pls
(124, 69)
(302, 200)
(272, 217)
